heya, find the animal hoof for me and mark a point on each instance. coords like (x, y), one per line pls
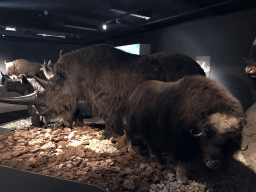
(183, 180)
(108, 134)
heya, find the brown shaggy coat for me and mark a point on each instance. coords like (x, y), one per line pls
(165, 114)
(105, 77)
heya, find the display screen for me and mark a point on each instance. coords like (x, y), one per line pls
(133, 48)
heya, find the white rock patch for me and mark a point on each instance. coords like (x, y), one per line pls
(101, 146)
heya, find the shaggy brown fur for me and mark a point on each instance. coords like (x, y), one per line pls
(165, 113)
(22, 86)
(105, 77)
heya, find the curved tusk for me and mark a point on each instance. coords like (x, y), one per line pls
(43, 82)
(2, 86)
(22, 100)
(195, 135)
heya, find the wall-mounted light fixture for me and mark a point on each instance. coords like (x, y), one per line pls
(10, 29)
(131, 14)
(50, 35)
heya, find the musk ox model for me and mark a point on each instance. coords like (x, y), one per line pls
(250, 69)
(21, 67)
(105, 77)
(193, 116)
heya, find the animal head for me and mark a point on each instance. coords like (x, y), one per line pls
(250, 68)
(10, 68)
(48, 71)
(4, 78)
(220, 138)
(57, 99)
(19, 85)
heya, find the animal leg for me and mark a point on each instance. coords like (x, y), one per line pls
(35, 117)
(182, 172)
(151, 154)
(78, 118)
(129, 145)
(113, 126)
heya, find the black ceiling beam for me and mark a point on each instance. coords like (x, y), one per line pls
(50, 22)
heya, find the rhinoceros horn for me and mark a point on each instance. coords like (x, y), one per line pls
(43, 82)
(22, 100)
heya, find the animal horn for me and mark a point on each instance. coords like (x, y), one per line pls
(195, 135)
(244, 148)
(43, 82)
(5, 76)
(22, 100)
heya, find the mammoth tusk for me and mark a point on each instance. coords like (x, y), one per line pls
(43, 82)
(2, 86)
(195, 135)
(22, 100)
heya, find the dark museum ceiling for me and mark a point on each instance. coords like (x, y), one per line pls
(80, 21)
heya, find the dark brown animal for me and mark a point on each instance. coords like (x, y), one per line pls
(105, 77)
(22, 86)
(250, 68)
(185, 119)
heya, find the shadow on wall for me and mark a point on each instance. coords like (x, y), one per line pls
(239, 89)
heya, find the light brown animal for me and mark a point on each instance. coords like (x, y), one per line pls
(21, 67)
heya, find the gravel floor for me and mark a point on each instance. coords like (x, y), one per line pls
(81, 154)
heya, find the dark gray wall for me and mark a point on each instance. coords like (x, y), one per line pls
(227, 39)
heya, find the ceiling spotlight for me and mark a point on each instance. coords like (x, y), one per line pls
(104, 26)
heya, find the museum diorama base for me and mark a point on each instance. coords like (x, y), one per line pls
(23, 181)
(29, 162)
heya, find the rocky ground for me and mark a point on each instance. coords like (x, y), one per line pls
(82, 154)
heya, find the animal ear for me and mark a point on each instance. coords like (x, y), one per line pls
(242, 122)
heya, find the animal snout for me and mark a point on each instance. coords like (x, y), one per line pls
(213, 164)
